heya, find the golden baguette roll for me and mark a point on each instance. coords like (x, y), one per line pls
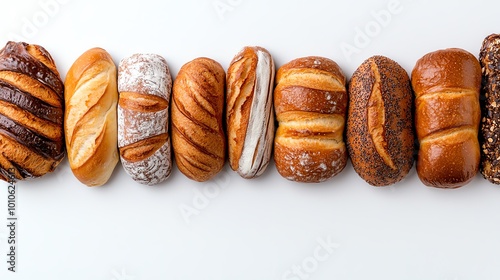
(379, 134)
(447, 114)
(489, 58)
(250, 115)
(144, 84)
(90, 123)
(310, 100)
(198, 137)
(31, 112)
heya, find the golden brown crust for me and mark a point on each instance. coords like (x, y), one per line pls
(31, 112)
(240, 89)
(380, 137)
(249, 111)
(198, 137)
(138, 102)
(143, 149)
(90, 123)
(310, 100)
(447, 114)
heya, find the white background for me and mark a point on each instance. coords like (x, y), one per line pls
(261, 228)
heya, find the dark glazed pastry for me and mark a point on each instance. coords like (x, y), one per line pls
(489, 57)
(31, 112)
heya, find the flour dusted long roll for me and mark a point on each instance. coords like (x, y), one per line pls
(90, 122)
(447, 114)
(250, 115)
(310, 100)
(31, 112)
(144, 84)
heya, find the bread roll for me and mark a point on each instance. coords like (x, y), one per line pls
(198, 137)
(446, 85)
(380, 137)
(90, 124)
(310, 100)
(489, 58)
(144, 85)
(250, 115)
(31, 112)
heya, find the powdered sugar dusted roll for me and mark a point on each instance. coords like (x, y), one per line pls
(145, 84)
(250, 118)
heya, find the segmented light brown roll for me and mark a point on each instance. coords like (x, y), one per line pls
(198, 137)
(447, 115)
(310, 100)
(31, 112)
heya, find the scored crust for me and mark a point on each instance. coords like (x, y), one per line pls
(310, 100)
(249, 111)
(380, 137)
(145, 85)
(198, 137)
(90, 117)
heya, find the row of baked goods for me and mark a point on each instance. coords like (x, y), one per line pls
(135, 113)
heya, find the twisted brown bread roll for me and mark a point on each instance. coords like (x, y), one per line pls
(446, 85)
(90, 123)
(198, 138)
(250, 115)
(31, 112)
(489, 58)
(144, 84)
(310, 100)
(379, 133)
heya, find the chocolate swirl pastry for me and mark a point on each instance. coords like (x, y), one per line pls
(31, 112)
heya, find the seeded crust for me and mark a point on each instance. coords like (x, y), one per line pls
(380, 137)
(489, 58)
